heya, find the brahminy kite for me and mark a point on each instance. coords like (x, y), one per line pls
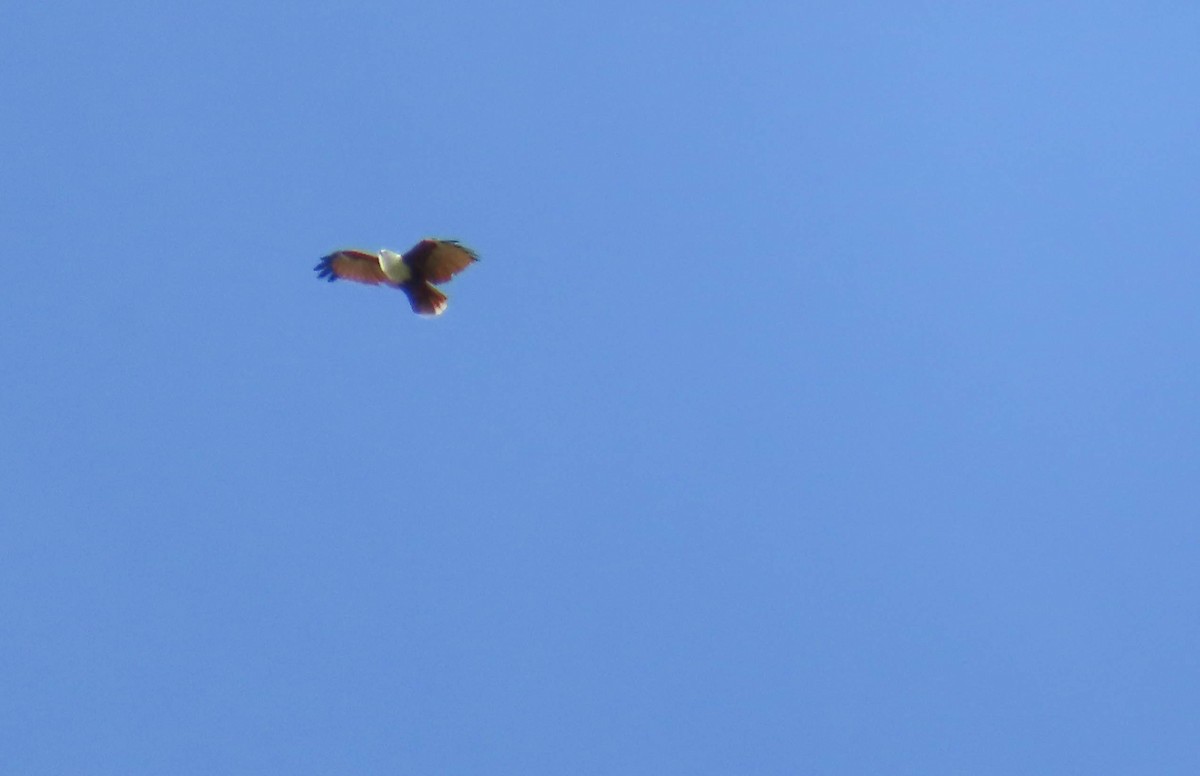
(426, 263)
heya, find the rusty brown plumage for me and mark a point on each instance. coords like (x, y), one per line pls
(359, 266)
(439, 260)
(431, 261)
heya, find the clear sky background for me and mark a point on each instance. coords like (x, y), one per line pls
(825, 400)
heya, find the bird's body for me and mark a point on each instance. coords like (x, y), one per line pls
(427, 263)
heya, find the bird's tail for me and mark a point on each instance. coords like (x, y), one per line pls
(424, 298)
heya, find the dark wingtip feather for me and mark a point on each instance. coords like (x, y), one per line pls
(324, 268)
(470, 252)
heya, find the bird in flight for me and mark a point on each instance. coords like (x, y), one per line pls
(427, 263)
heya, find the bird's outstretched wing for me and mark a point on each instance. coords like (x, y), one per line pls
(439, 260)
(359, 266)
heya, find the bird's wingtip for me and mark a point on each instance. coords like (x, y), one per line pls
(324, 268)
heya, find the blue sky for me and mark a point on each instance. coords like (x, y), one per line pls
(824, 402)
